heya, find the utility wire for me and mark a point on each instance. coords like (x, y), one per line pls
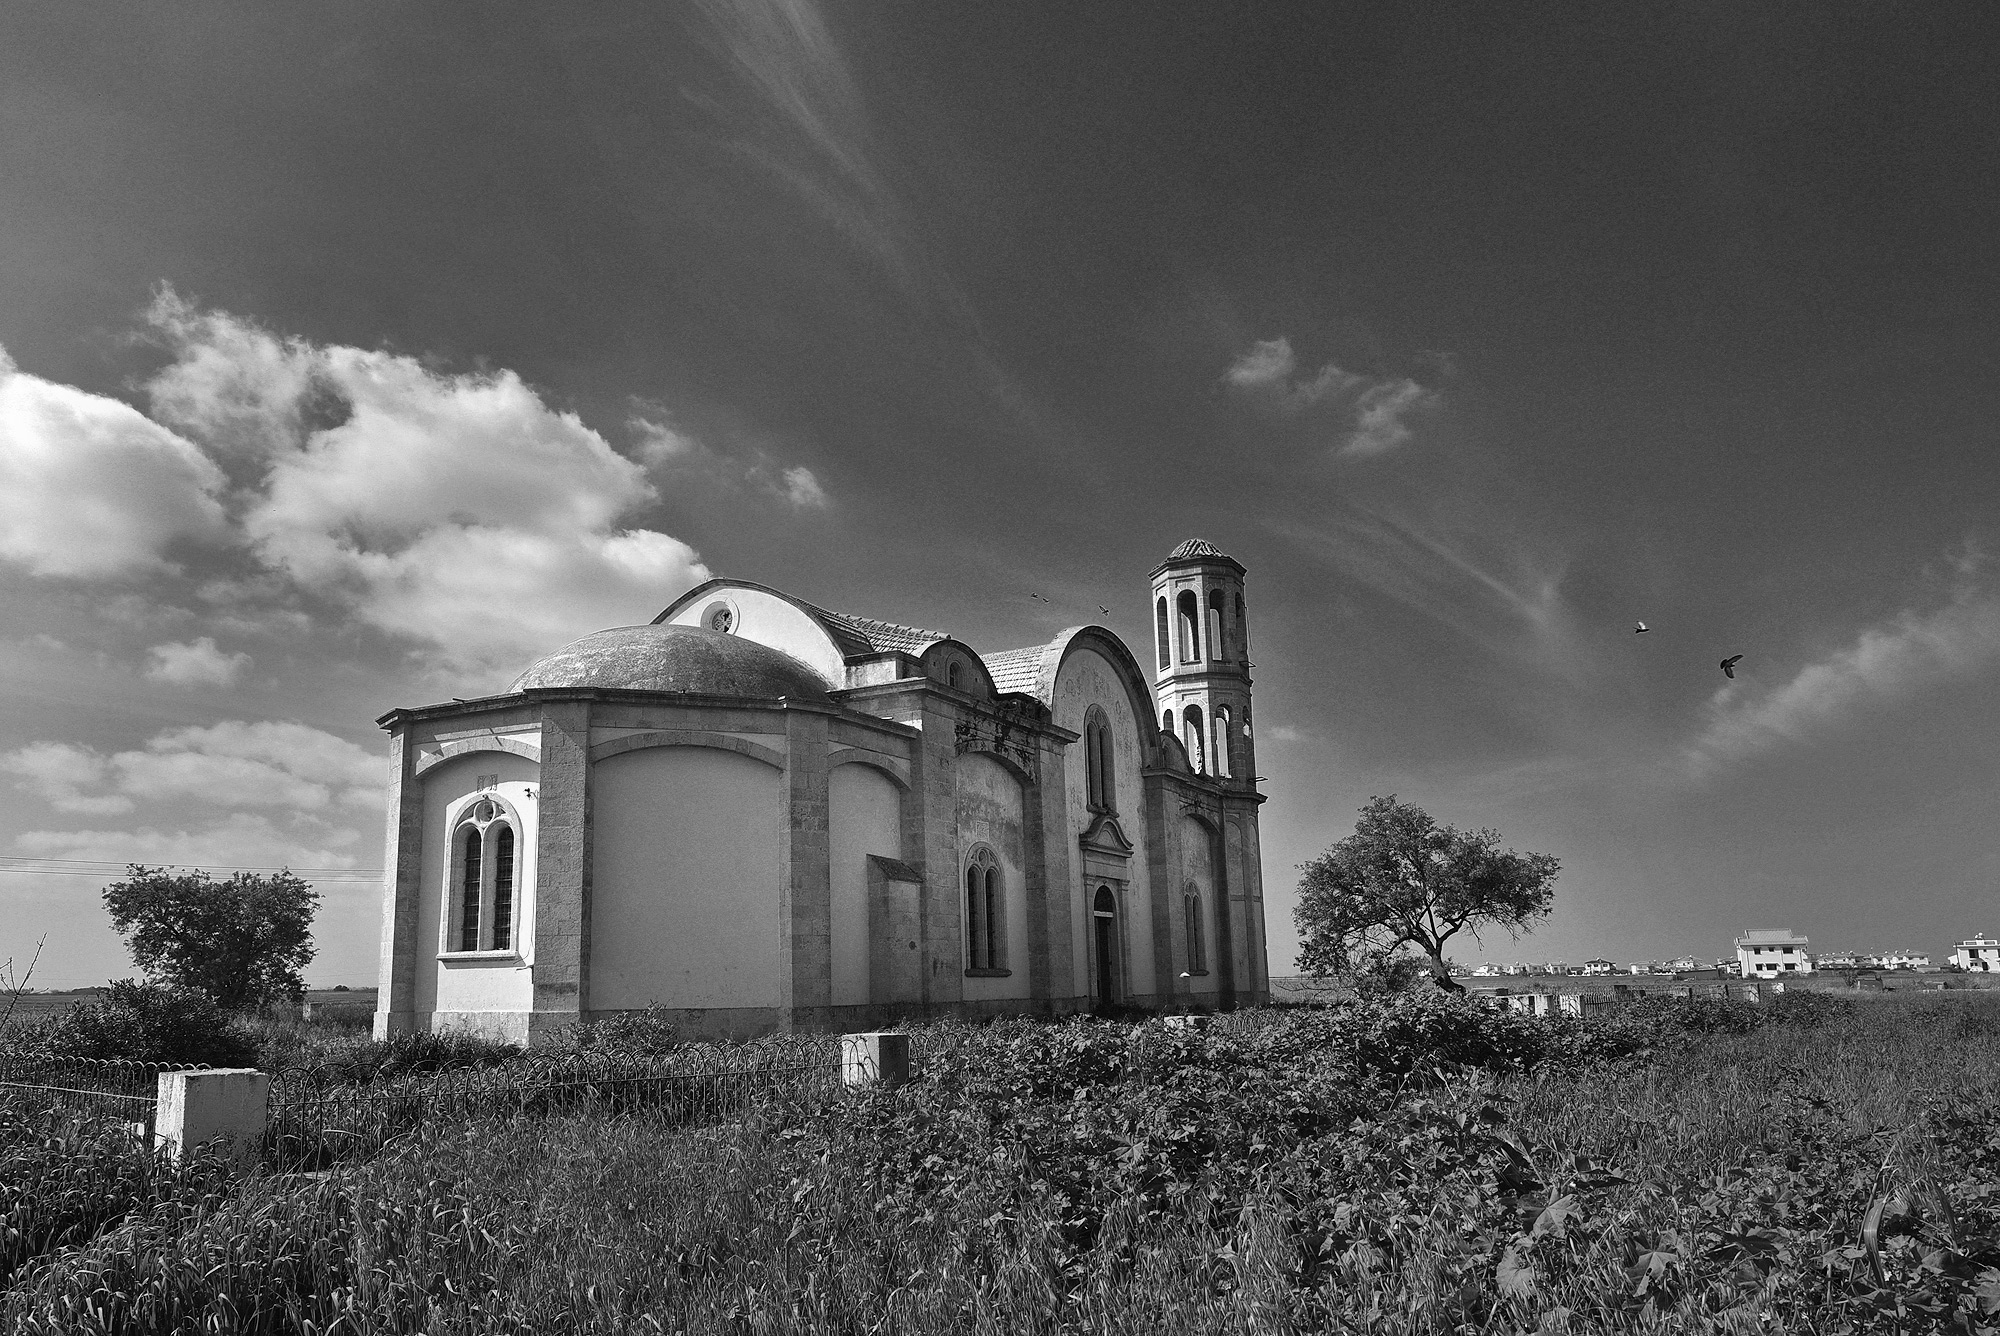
(88, 867)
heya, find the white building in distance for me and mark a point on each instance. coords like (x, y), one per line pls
(1980, 955)
(1772, 953)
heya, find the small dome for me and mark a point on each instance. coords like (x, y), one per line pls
(675, 658)
(1194, 549)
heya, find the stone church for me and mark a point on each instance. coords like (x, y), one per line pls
(758, 815)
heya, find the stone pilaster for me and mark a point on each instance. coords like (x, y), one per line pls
(806, 902)
(1051, 877)
(402, 887)
(930, 840)
(562, 869)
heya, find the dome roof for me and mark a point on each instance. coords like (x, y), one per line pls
(675, 658)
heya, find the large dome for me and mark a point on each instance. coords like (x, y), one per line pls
(675, 658)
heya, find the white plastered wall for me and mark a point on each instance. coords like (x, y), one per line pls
(864, 816)
(989, 809)
(1088, 679)
(685, 880)
(486, 985)
(770, 620)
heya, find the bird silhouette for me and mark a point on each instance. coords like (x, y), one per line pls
(1106, 611)
(1032, 594)
(1729, 666)
(1641, 629)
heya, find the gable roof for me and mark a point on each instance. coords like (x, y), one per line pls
(876, 636)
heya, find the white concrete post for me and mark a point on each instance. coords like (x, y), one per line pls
(875, 1058)
(212, 1104)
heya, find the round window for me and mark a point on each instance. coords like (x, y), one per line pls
(719, 617)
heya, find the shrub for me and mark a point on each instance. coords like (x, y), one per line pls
(145, 1022)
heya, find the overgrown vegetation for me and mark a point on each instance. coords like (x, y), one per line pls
(1409, 1164)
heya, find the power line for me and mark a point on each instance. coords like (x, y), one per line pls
(89, 867)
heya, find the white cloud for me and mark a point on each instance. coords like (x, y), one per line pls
(460, 512)
(90, 488)
(230, 764)
(803, 490)
(1379, 417)
(1370, 415)
(1286, 733)
(58, 772)
(1884, 663)
(242, 839)
(673, 453)
(195, 663)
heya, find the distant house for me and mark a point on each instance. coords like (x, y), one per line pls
(1896, 960)
(1513, 967)
(1680, 965)
(1771, 953)
(1836, 960)
(1485, 971)
(1979, 955)
(1643, 967)
(1599, 967)
(1556, 967)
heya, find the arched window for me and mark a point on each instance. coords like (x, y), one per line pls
(483, 908)
(1191, 739)
(985, 913)
(503, 889)
(1242, 631)
(1219, 752)
(471, 884)
(1102, 795)
(951, 675)
(1218, 644)
(1190, 614)
(1166, 721)
(1197, 945)
(1160, 616)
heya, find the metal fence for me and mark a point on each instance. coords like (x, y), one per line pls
(104, 1087)
(312, 1124)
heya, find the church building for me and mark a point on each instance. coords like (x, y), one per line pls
(758, 815)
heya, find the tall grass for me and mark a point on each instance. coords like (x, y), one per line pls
(1415, 1170)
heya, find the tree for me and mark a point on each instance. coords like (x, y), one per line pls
(241, 941)
(1402, 881)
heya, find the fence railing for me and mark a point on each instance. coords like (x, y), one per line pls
(107, 1087)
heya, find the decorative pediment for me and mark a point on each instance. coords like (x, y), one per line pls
(1106, 838)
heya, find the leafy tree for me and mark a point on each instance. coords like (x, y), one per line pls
(241, 941)
(1402, 882)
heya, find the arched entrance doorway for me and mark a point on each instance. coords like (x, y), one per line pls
(1104, 945)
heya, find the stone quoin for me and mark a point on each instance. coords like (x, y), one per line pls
(756, 815)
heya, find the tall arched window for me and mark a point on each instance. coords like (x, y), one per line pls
(1166, 721)
(483, 909)
(503, 889)
(1190, 616)
(1219, 751)
(471, 887)
(1160, 617)
(1191, 739)
(1242, 631)
(1197, 945)
(1102, 795)
(1218, 644)
(985, 913)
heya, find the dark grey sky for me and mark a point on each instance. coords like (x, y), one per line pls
(1476, 332)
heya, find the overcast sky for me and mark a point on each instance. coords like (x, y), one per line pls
(356, 354)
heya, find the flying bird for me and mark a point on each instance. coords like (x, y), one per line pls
(1106, 611)
(1729, 666)
(1640, 629)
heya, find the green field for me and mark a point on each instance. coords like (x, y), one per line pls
(1416, 1165)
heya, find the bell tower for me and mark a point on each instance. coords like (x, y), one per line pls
(1201, 656)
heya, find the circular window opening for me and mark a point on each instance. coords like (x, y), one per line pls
(719, 616)
(484, 812)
